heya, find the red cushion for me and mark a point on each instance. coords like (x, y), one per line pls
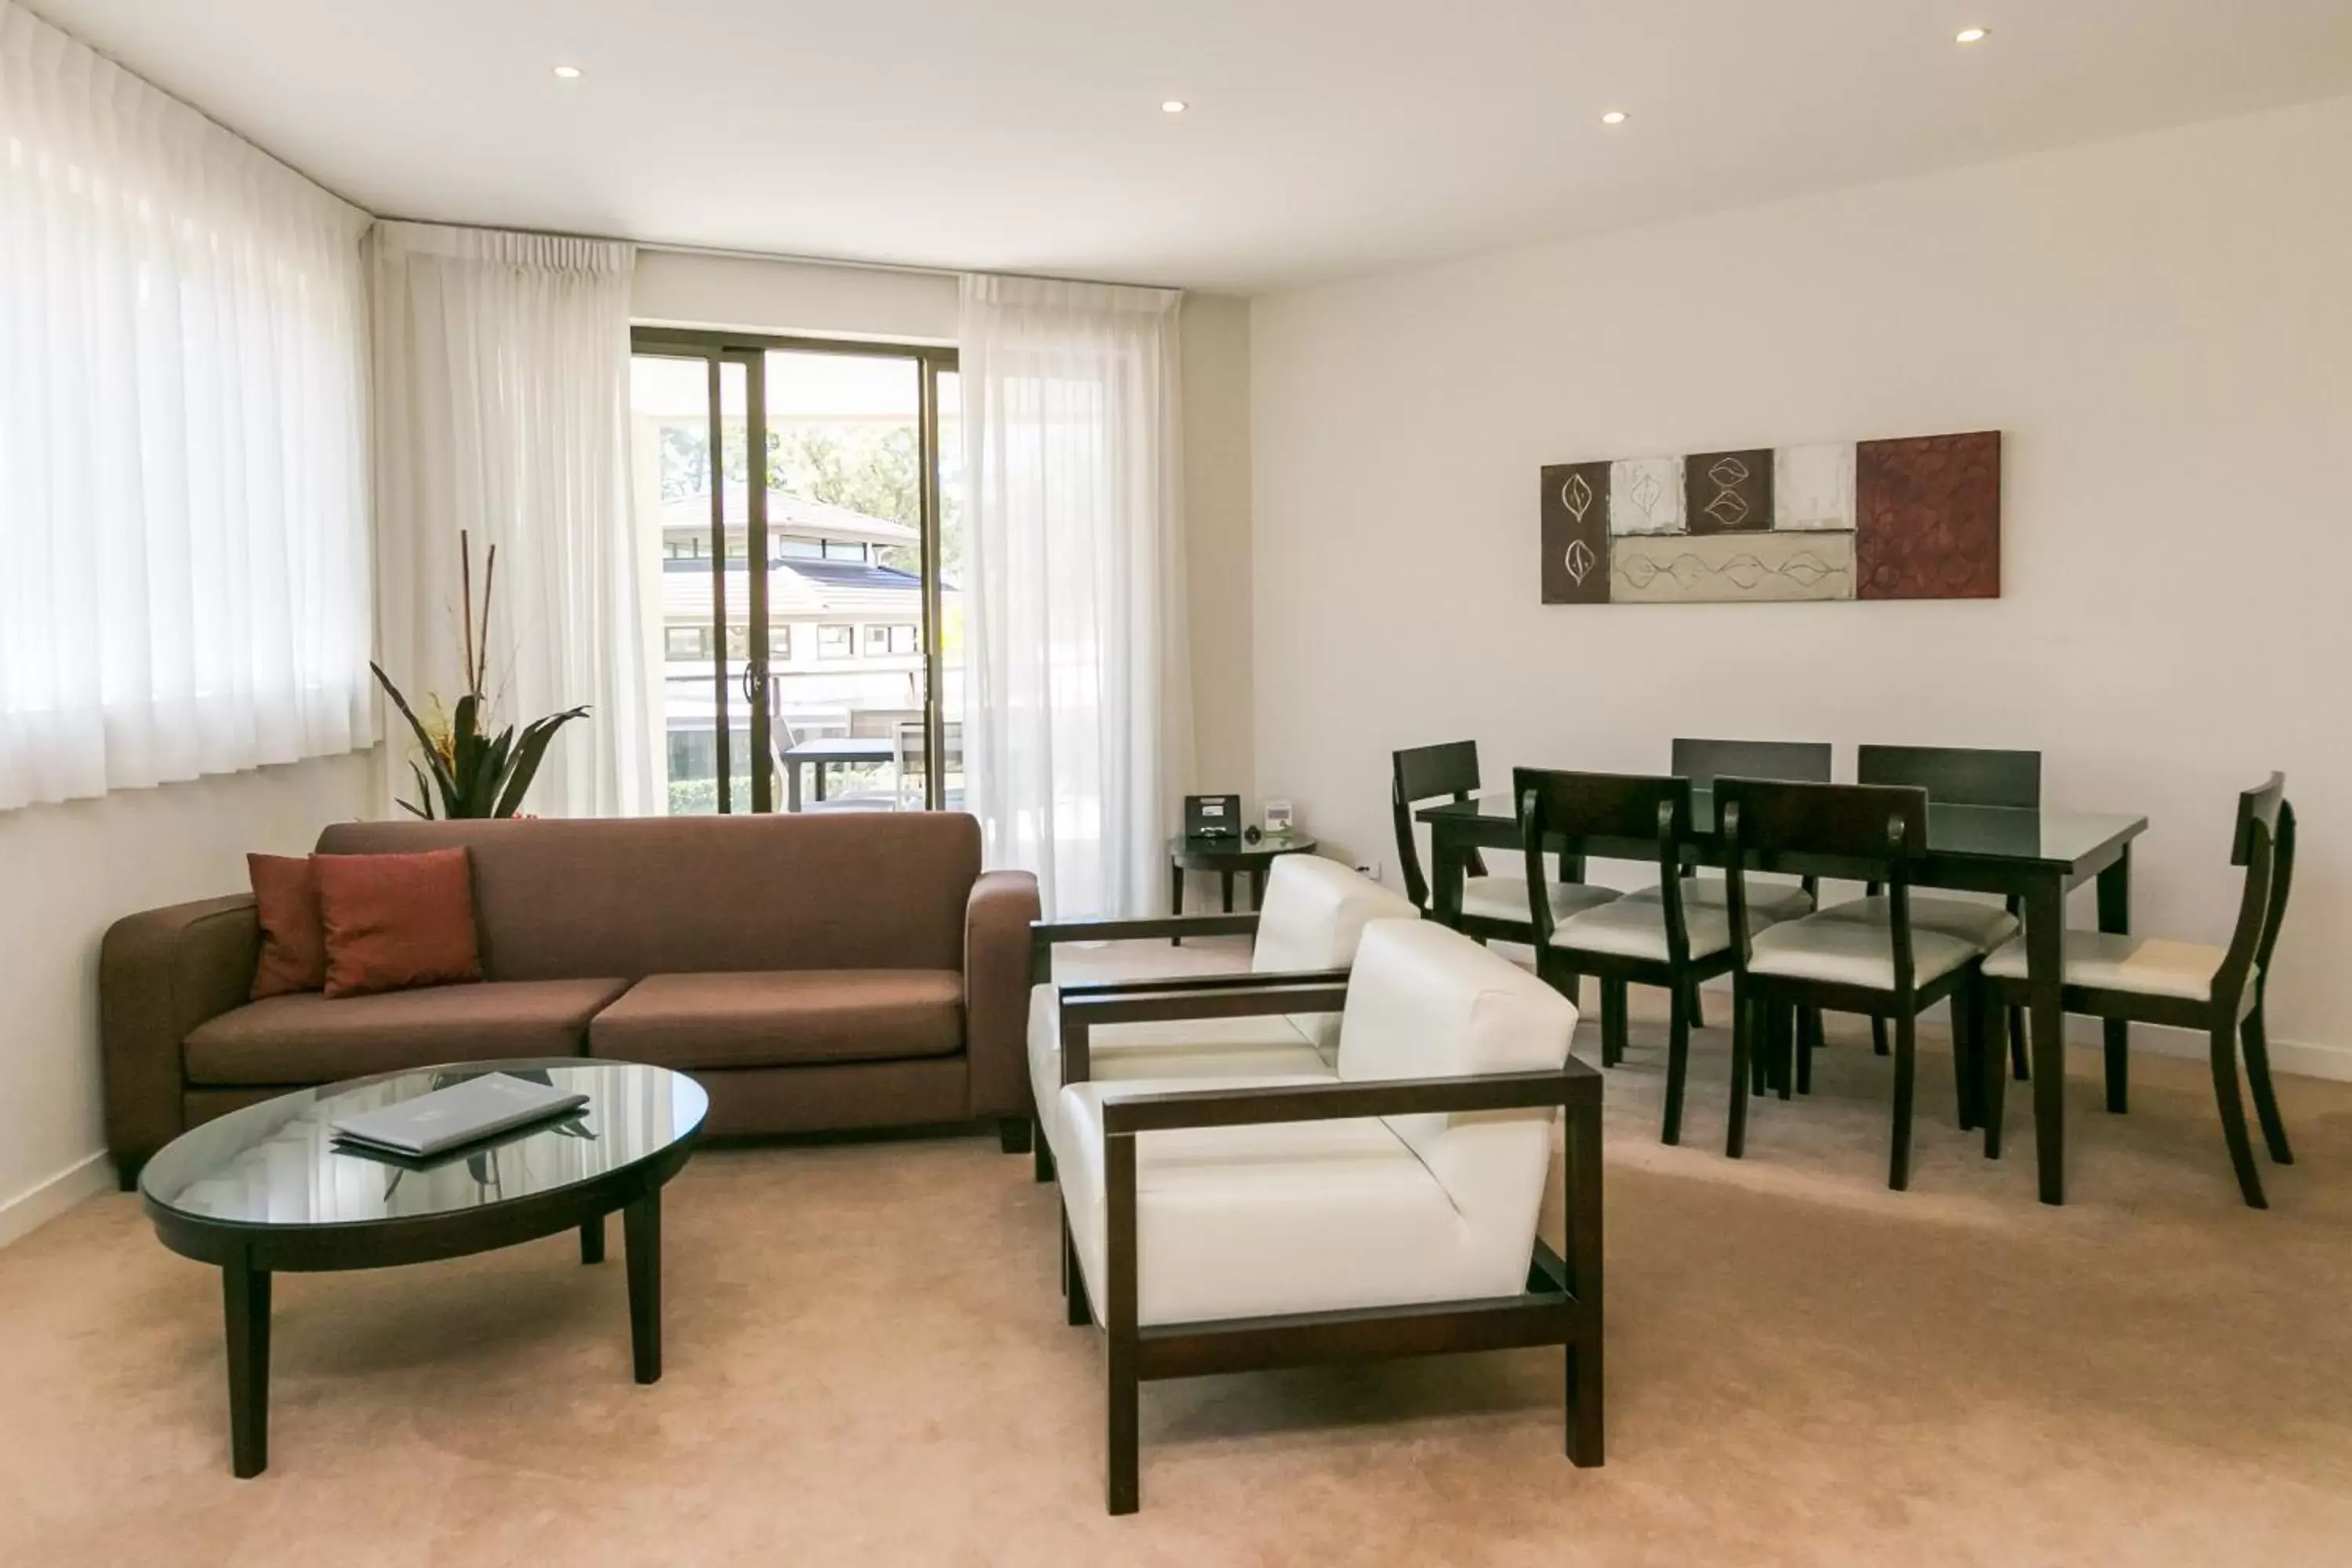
(293, 942)
(397, 921)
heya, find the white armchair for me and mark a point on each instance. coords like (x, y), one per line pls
(1387, 1208)
(1306, 933)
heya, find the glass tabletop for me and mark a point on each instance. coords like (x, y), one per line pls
(1973, 832)
(276, 1163)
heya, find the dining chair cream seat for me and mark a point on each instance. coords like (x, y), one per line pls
(1243, 1222)
(1504, 898)
(1853, 952)
(2143, 965)
(1636, 927)
(1768, 900)
(1314, 913)
(1983, 926)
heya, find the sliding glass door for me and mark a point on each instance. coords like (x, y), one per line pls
(811, 636)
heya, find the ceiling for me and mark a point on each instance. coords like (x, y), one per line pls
(1325, 137)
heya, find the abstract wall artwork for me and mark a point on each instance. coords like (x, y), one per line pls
(1918, 517)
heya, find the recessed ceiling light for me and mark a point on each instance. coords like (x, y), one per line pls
(1614, 117)
(569, 73)
(1174, 106)
(1971, 36)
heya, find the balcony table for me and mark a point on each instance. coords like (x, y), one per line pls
(2036, 855)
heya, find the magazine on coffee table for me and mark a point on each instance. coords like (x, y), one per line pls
(462, 1113)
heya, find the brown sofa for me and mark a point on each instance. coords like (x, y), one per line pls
(844, 970)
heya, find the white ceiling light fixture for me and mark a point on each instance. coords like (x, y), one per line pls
(1614, 117)
(568, 73)
(1174, 106)
(1971, 36)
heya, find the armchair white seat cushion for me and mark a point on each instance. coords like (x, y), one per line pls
(1330, 1216)
(1852, 953)
(1981, 925)
(1771, 900)
(1636, 927)
(1314, 914)
(1506, 898)
(2101, 961)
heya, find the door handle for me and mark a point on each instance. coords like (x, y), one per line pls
(753, 679)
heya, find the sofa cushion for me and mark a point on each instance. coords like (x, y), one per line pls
(293, 932)
(393, 921)
(305, 1037)
(677, 895)
(780, 1017)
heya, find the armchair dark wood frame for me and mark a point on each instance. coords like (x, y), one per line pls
(1449, 771)
(1566, 808)
(2264, 843)
(1045, 935)
(1974, 775)
(1560, 1306)
(1883, 829)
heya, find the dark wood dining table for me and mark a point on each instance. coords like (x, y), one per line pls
(2036, 856)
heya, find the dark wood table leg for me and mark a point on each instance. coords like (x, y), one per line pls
(244, 1299)
(2114, 915)
(820, 767)
(1175, 897)
(641, 1232)
(1225, 885)
(792, 786)
(2045, 932)
(592, 1241)
(1257, 887)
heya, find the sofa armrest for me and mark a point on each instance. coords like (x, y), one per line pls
(996, 992)
(161, 972)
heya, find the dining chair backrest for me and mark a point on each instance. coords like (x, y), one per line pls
(1957, 775)
(2264, 843)
(1704, 761)
(1561, 810)
(1447, 771)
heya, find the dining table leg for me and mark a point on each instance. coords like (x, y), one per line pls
(792, 784)
(2115, 916)
(2046, 934)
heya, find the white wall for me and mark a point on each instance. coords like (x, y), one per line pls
(71, 871)
(2161, 325)
(821, 300)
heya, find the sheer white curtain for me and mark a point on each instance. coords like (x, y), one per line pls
(1079, 739)
(502, 412)
(183, 510)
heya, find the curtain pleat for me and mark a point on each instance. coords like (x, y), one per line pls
(183, 507)
(1080, 741)
(501, 400)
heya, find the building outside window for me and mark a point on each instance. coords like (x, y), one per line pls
(889, 639)
(687, 642)
(833, 642)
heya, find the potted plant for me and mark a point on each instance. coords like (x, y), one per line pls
(464, 773)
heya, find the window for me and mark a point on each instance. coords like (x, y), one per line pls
(800, 549)
(880, 640)
(833, 642)
(739, 641)
(780, 642)
(843, 549)
(687, 642)
(683, 547)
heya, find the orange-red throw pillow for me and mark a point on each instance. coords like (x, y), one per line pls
(393, 921)
(293, 942)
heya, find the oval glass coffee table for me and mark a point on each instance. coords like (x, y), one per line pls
(267, 1190)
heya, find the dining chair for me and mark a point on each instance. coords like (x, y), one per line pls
(1701, 761)
(1494, 906)
(1890, 969)
(2188, 985)
(1957, 776)
(1663, 940)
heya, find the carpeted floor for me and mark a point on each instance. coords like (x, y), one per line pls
(867, 1364)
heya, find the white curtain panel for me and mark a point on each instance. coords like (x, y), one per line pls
(502, 413)
(183, 508)
(1079, 739)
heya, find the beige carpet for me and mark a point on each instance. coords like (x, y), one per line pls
(867, 1364)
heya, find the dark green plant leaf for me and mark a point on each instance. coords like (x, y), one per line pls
(527, 754)
(447, 784)
(424, 808)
